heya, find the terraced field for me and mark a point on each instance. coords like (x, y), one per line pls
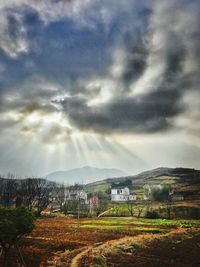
(61, 241)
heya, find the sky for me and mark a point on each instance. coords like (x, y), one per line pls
(106, 83)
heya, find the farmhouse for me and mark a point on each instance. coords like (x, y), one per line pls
(122, 194)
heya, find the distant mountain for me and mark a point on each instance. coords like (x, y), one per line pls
(84, 175)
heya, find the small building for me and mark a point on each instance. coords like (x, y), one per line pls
(75, 194)
(122, 194)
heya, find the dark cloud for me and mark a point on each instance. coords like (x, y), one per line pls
(151, 111)
(62, 52)
(136, 58)
(148, 113)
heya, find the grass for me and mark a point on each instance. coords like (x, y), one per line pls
(99, 186)
(173, 223)
(110, 221)
(98, 226)
(124, 227)
(148, 229)
(147, 225)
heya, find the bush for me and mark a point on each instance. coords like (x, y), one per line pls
(194, 213)
(161, 195)
(14, 223)
(151, 214)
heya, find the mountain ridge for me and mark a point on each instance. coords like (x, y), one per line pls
(154, 173)
(85, 174)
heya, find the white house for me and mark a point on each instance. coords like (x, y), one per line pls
(121, 194)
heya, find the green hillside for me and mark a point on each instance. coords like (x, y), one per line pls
(184, 181)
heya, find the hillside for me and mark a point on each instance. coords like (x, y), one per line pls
(84, 175)
(184, 181)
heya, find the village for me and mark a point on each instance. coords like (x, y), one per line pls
(144, 197)
(75, 199)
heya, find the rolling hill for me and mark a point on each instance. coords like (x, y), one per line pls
(84, 175)
(184, 181)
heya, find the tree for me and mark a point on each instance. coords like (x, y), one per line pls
(130, 207)
(14, 223)
(126, 182)
(8, 189)
(59, 192)
(161, 194)
(28, 192)
(151, 214)
(36, 193)
(43, 189)
(76, 201)
(136, 208)
(103, 202)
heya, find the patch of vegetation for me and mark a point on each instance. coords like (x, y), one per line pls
(14, 224)
(149, 230)
(151, 214)
(120, 224)
(127, 182)
(101, 186)
(124, 227)
(128, 223)
(99, 226)
(173, 223)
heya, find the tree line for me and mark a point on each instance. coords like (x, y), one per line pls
(29, 192)
(39, 194)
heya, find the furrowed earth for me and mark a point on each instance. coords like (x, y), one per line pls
(62, 241)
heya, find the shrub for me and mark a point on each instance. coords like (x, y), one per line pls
(14, 223)
(151, 214)
(161, 194)
(194, 213)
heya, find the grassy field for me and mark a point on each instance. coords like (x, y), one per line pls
(63, 241)
(130, 223)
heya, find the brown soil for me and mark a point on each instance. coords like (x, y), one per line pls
(59, 239)
(177, 249)
(58, 242)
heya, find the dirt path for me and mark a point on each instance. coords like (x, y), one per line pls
(96, 250)
(76, 260)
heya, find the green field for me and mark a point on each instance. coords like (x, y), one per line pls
(144, 225)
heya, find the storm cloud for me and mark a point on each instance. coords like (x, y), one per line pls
(158, 64)
(102, 68)
(158, 68)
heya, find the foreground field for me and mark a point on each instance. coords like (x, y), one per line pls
(61, 241)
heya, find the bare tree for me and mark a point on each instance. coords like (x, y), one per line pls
(58, 193)
(36, 193)
(43, 189)
(8, 190)
(130, 207)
